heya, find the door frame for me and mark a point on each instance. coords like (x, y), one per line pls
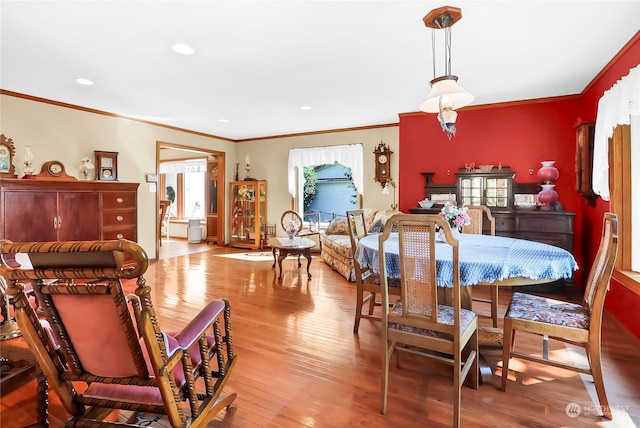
(160, 145)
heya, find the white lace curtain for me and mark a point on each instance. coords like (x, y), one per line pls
(620, 105)
(349, 156)
(197, 165)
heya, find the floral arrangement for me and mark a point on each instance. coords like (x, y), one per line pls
(456, 217)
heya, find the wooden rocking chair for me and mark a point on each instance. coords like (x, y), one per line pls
(114, 362)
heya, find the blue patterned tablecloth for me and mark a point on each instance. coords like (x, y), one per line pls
(483, 259)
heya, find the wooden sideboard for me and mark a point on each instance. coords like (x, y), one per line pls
(50, 210)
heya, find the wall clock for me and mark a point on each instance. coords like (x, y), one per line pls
(54, 170)
(106, 165)
(383, 164)
(7, 152)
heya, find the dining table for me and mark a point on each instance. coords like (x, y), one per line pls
(483, 260)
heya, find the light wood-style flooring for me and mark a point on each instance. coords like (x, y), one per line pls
(300, 365)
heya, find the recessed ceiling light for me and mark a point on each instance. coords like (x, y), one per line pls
(306, 107)
(223, 120)
(85, 82)
(182, 48)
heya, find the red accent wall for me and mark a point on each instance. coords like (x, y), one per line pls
(521, 135)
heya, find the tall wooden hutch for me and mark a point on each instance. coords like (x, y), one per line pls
(248, 213)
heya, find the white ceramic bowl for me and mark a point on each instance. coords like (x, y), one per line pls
(485, 168)
(426, 203)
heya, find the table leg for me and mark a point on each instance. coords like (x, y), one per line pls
(307, 255)
(274, 258)
(282, 254)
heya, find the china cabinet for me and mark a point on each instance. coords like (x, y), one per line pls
(512, 204)
(248, 205)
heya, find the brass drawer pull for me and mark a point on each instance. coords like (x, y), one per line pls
(119, 200)
(119, 236)
(119, 218)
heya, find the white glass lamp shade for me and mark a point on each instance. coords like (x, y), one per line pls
(446, 86)
(86, 164)
(385, 189)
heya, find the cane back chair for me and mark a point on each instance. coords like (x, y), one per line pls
(114, 362)
(418, 322)
(575, 323)
(478, 213)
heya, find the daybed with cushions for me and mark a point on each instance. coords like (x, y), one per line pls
(336, 246)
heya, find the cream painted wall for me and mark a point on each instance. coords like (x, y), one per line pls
(269, 158)
(67, 135)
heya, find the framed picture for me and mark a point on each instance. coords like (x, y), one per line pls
(106, 165)
(7, 152)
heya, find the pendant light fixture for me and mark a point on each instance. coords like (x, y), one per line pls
(445, 96)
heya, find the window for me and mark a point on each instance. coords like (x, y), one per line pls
(329, 190)
(624, 154)
(616, 167)
(335, 161)
(188, 182)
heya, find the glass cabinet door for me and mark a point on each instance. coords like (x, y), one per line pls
(471, 190)
(248, 213)
(497, 192)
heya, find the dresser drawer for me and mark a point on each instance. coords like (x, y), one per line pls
(564, 241)
(545, 224)
(119, 218)
(505, 223)
(108, 234)
(118, 200)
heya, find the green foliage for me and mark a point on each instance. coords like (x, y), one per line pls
(171, 194)
(310, 189)
(353, 198)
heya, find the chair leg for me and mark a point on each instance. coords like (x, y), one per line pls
(386, 357)
(372, 303)
(457, 388)
(494, 305)
(593, 352)
(359, 300)
(507, 347)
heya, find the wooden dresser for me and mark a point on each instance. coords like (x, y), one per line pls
(50, 210)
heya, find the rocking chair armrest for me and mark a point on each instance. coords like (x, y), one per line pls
(198, 326)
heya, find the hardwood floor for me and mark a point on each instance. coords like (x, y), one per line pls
(300, 365)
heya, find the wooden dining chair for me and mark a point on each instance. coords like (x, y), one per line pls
(113, 356)
(575, 323)
(418, 322)
(162, 218)
(367, 281)
(478, 214)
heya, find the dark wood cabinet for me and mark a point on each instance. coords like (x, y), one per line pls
(585, 132)
(510, 205)
(41, 210)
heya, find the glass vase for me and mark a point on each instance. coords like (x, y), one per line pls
(548, 173)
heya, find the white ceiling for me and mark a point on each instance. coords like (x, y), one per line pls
(357, 63)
